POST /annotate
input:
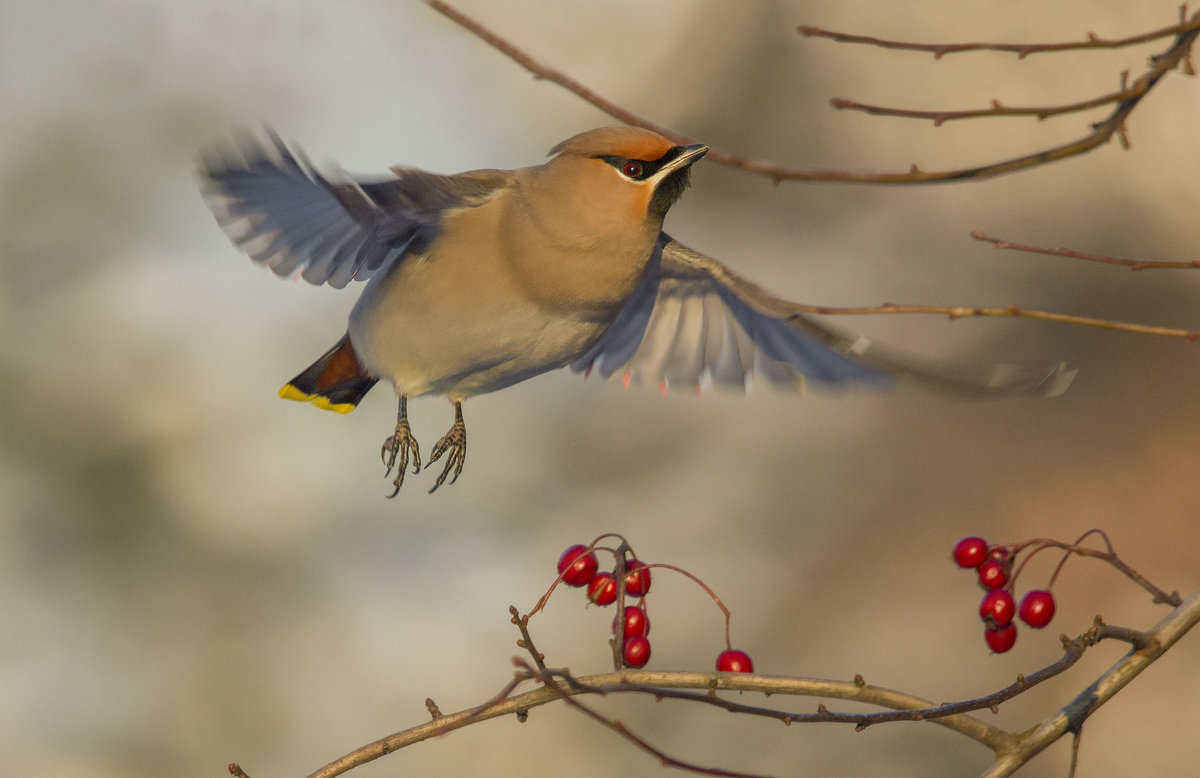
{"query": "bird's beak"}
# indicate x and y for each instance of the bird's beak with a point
(689, 155)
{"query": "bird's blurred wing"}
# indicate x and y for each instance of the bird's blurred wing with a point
(274, 206)
(692, 320)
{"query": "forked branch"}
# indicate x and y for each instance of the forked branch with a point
(1127, 99)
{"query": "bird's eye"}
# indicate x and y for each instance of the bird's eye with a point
(632, 169)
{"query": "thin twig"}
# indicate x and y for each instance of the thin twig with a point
(1132, 264)
(526, 642)
(960, 312)
(1022, 50)
(997, 109)
(1102, 132)
(1014, 751)
(1109, 556)
(1070, 717)
(619, 727)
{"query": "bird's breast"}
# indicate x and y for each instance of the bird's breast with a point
(481, 311)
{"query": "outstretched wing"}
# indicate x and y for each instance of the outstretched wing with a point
(692, 319)
(274, 206)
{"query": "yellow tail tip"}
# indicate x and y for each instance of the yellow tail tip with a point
(290, 392)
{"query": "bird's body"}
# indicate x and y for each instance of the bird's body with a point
(449, 321)
(480, 280)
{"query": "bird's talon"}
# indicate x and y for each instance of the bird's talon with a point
(453, 443)
(400, 444)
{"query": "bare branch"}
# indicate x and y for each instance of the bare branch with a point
(996, 109)
(1022, 50)
(1132, 264)
(1102, 132)
(1071, 716)
(960, 312)
(619, 727)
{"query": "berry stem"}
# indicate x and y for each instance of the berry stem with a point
(704, 586)
(541, 603)
(1109, 556)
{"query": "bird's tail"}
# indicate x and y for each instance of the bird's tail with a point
(335, 382)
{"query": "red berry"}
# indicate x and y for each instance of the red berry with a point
(997, 607)
(637, 578)
(580, 566)
(970, 552)
(1001, 639)
(636, 622)
(603, 589)
(992, 574)
(734, 661)
(1000, 554)
(636, 651)
(1037, 608)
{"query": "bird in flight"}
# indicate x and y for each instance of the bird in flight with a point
(479, 280)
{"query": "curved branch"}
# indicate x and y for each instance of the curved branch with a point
(960, 312)
(1071, 716)
(1022, 50)
(1102, 132)
(1012, 750)
(1132, 264)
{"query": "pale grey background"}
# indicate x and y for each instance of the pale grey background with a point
(193, 572)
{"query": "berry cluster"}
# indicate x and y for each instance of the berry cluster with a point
(993, 566)
(578, 567)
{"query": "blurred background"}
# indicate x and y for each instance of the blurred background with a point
(193, 572)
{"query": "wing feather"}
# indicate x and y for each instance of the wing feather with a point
(692, 317)
(333, 229)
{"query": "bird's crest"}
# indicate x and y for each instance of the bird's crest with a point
(627, 142)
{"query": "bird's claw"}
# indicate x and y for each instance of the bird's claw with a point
(400, 444)
(453, 443)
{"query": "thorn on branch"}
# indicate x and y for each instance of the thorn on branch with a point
(432, 707)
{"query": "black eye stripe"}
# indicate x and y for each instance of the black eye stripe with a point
(648, 168)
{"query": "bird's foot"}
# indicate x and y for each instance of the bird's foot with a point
(399, 445)
(453, 443)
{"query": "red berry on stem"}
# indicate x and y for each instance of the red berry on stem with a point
(1037, 608)
(636, 622)
(580, 566)
(1001, 639)
(998, 607)
(637, 578)
(636, 651)
(734, 661)
(1000, 554)
(992, 574)
(603, 589)
(970, 552)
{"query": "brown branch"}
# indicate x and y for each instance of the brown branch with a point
(1132, 264)
(619, 727)
(1013, 750)
(960, 312)
(1102, 132)
(997, 109)
(526, 642)
(1109, 556)
(1070, 717)
(1022, 50)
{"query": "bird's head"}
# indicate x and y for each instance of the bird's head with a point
(633, 173)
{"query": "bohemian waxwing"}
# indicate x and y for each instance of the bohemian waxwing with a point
(479, 280)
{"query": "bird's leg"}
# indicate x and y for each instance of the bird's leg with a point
(401, 442)
(454, 442)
